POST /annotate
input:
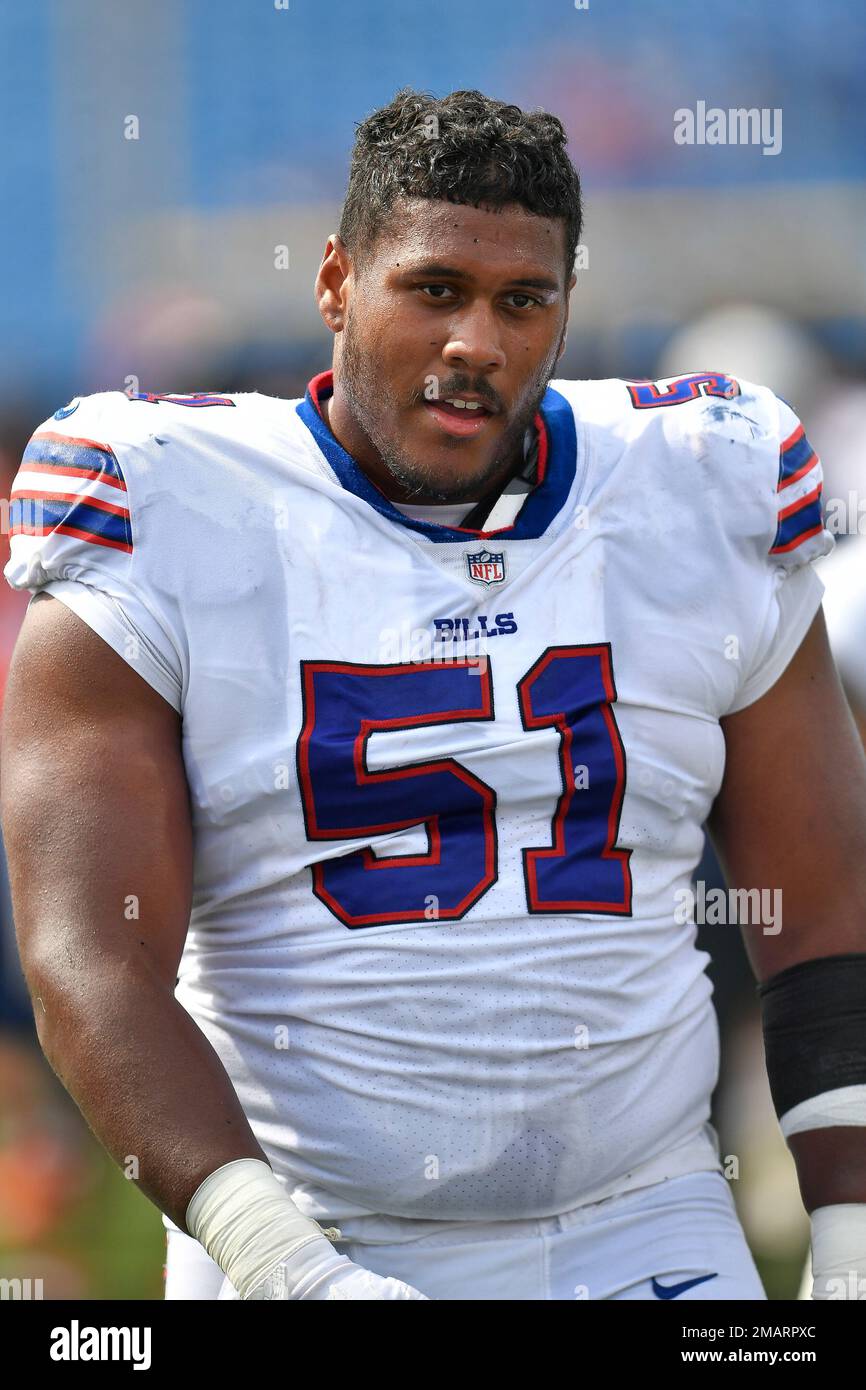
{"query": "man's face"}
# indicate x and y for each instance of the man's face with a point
(452, 301)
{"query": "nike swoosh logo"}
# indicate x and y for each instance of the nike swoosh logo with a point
(674, 1290)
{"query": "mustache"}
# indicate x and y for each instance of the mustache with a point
(458, 386)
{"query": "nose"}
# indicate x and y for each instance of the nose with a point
(473, 340)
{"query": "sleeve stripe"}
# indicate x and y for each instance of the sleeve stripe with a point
(792, 545)
(70, 531)
(103, 524)
(793, 438)
(798, 522)
(801, 503)
(796, 457)
(49, 448)
(34, 494)
(793, 469)
(35, 480)
(67, 471)
(70, 487)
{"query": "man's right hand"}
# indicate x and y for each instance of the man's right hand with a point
(335, 1278)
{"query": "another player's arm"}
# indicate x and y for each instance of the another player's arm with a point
(96, 820)
(791, 815)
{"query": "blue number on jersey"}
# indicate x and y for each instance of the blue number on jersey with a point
(646, 395)
(343, 705)
(569, 688)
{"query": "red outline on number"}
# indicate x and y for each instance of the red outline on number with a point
(560, 722)
(365, 778)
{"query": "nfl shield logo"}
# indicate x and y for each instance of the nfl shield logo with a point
(487, 566)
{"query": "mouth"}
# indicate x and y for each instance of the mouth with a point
(460, 415)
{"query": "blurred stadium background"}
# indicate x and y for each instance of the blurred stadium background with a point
(154, 258)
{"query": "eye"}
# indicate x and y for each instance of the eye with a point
(432, 288)
(528, 298)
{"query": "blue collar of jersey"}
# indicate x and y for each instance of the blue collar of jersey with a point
(557, 461)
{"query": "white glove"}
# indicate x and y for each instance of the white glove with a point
(334, 1277)
(267, 1249)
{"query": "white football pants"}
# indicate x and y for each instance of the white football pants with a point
(680, 1238)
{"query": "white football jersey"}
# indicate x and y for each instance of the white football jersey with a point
(446, 785)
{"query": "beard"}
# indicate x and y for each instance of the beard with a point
(418, 480)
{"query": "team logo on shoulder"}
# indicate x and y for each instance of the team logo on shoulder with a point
(197, 398)
(486, 566)
(65, 410)
(674, 390)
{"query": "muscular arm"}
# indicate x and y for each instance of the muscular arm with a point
(96, 821)
(792, 815)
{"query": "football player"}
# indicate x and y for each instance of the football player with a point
(356, 756)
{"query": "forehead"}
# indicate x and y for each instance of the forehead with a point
(481, 241)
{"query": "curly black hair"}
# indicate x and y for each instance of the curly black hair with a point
(463, 148)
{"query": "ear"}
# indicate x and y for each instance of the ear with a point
(333, 282)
